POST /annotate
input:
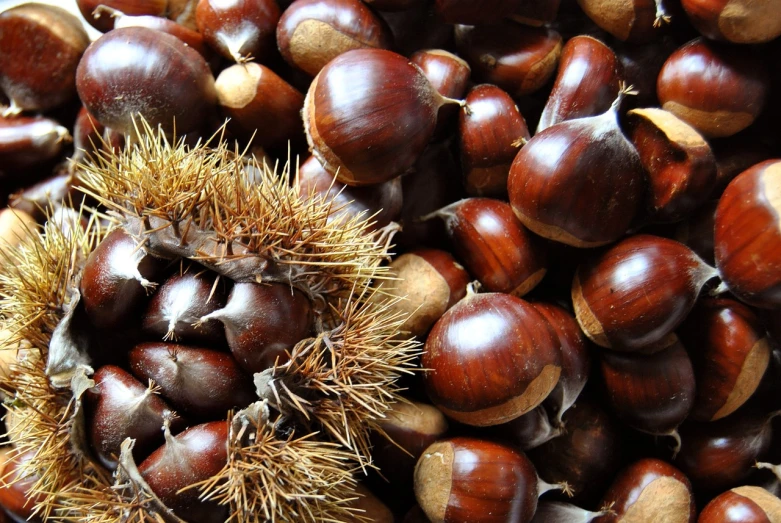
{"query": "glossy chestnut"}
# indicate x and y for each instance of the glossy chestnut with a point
(491, 129)
(311, 33)
(730, 352)
(136, 70)
(718, 90)
(518, 59)
(369, 114)
(465, 479)
(494, 246)
(118, 407)
(579, 182)
(742, 505)
(738, 21)
(449, 75)
(586, 83)
(202, 382)
(262, 322)
(240, 29)
(631, 297)
(747, 237)
(29, 141)
(40, 47)
(195, 455)
(679, 162)
(15, 498)
(104, 22)
(492, 357)
(650, 490)
(260, 104)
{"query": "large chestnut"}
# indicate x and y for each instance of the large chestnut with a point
(311, 33)
(491, 358)
(747, 236)
(637, 292)
(738, 21)
(369, 114)
(136, 70)
(746, 504)
(239, 29)
(718, 90)
(465, 479)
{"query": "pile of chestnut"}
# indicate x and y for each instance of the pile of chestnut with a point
(589, 193)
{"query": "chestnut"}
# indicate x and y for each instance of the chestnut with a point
(29, 141)
(118, 407)
(494, 246)
(586, 455)
(747, 237)
(368, 508)
(491, 358)
(104, 22)
(202, 382)
(628, 20)
(518, 59)
(369, 114)
(196, 454)
(239, 30)
(649, 490)
(260, 104)
(586, 84)
(311, 33)
(632, 296)
(653, 393)
(466, 479)
(680, 164)
(579, 182)
(742, 505)
(115, 280)
(39, 199)
(718, 90)
(136, 70)
(15, 486)
(41, 47)
(262, 322)
(730, 352)
(427, 282)
(179, 303)
(449, 75)
(738, 21)
(490, 132)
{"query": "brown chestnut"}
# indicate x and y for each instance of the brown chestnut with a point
(491, 129)
(747, 238)
(136, 70)
(680, 164)
(465, 479)
(491, 358)
(494, 246)
(738, 21)
(311, 33)
(29, 141)
(369, 114)
(518, 59)
(730, 353)
(627, 20)
(239, 30)
(15, 485)
(586, 84)
(742, 505)
(637, 292)
(718, 90)
(649, 490)
(103, 21)
(40, 47)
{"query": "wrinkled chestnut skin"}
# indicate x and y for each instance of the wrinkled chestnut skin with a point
(201, 382)
(196, 454)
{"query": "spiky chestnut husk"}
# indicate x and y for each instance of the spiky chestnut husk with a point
(291, 455)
